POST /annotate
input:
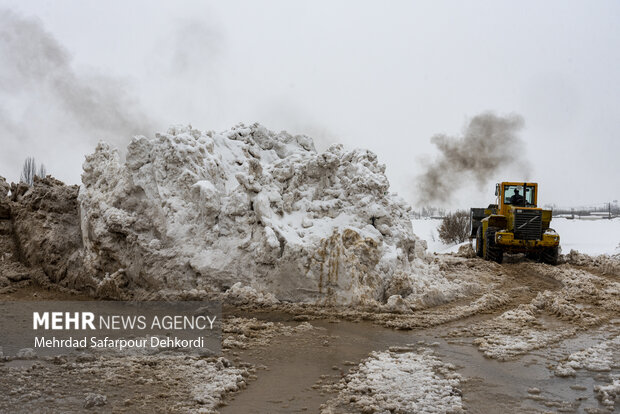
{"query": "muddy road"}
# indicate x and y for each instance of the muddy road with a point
(533, 338)
(298, 372)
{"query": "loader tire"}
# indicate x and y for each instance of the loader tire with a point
(550, 255)
(479, 241)
(493, 252)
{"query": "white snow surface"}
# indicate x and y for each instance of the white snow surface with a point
(427, 230)
(203, 210)
(592, 237)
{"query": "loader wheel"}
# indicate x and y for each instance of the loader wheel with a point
(493, 251)
(478, 240)
(550, 255)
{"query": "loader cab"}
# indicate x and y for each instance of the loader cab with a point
(514, 194)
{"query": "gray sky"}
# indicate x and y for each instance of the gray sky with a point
(380, 75)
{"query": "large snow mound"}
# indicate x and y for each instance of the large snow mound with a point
(204, 210)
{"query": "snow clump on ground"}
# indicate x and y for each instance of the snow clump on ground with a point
(409, 382)
(599, 358)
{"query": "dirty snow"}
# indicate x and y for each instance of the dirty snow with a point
(243, 333)
(607, 393)
(408, 382)
(205, 211)
(583, 300)
(181, 384)
(599, 358)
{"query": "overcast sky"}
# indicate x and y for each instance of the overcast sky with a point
(379, 75)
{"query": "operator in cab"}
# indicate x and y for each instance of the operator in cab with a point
(516, 199)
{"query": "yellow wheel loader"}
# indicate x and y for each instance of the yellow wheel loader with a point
(514, 224)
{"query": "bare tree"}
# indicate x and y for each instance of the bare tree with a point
(454, 227)
(29, 171)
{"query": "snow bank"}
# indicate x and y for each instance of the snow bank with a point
(4, 188)
(46, 229)
(203, 210)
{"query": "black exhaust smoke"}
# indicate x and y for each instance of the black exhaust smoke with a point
(489, 142)
(48, 107)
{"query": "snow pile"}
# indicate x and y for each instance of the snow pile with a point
(508, 343)
(239, 294)
(204, 211)
(46, 230)
(212, 381)
(95, 400)
(4, 188)
(606, 264)
(394, 382)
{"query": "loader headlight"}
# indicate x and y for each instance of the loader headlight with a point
(499, 237)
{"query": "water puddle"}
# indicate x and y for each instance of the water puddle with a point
(294, 364)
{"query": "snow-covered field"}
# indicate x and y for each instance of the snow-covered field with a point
(426, 229)
(592, 237)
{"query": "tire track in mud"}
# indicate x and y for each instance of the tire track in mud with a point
(580, 301)
(507, 286)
